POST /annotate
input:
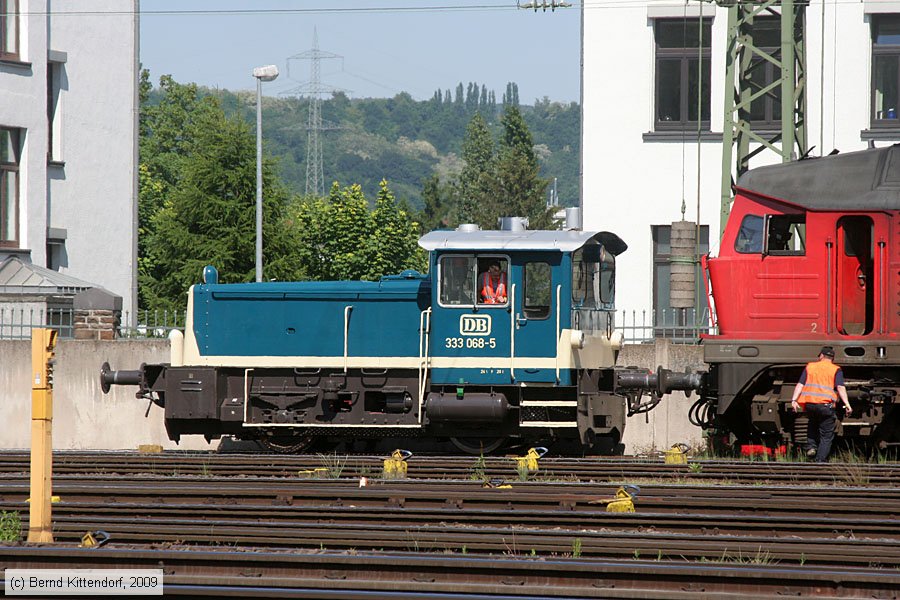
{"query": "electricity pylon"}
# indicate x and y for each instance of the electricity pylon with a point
(313, 89)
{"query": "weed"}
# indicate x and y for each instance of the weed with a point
(637, 554)
(334, 464)
(761, 558)
(533, 553)
(478, 469)
(204, 470)
(802, 558)
(576, 548)
(658, 555)
(524, 472)
(852, 469)
(10, 526)
(695, 467)
(464, 550)
(511, 550)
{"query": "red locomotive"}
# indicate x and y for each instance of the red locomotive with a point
(810, 256)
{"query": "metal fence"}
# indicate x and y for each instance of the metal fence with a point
(17, 323)
(678, 325)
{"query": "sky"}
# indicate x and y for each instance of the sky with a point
(387, 46)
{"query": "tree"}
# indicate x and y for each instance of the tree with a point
(340, 239)
(518, 189)
(167, 125)
(439, 204)
(511, 96)
(392, 245)
(474, 200)
(209, 214)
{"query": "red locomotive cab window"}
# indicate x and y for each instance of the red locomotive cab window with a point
(785, 235)
(750, 236)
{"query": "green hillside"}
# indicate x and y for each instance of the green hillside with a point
(405, 141)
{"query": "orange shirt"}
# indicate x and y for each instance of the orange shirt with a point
(819, 386)
(491, 295)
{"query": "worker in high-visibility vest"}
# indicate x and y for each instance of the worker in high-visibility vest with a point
(492, 284)
(816, 394)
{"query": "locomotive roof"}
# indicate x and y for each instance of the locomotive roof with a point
(864, 180)
(562, 241)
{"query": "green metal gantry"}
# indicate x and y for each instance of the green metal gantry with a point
(743, 58)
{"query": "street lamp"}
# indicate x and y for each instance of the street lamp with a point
(267, 73)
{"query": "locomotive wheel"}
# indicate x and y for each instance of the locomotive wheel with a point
(476, 445)
(287, 444)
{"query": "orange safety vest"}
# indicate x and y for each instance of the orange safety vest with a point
(819, 386)
(492, 296)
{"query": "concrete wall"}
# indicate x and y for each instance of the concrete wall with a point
(86, 419)
(632, 181)
(667, 424)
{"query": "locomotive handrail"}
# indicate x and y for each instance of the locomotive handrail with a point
(246, 395)
(828, 246)
(424, 330)
(512, 334)
(347, 310)
(558, 330)
(882, 299)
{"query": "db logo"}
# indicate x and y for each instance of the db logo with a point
(475, 325)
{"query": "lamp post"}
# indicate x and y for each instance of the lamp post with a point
(267, 73)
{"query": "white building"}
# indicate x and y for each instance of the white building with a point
(69, 139)
(641, 154)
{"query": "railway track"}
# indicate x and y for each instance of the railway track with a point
(773, 539)
(230, 573)
(833, 526)
(454, 467)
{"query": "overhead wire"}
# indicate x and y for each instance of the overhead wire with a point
(434, 8)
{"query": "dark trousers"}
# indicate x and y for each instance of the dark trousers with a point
(821, 429)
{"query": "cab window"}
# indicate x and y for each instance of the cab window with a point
(457, 280)
(537, 290)
(786, 235)
(492, 284)
(749, 238)
(593, 278)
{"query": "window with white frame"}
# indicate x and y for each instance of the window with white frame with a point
(54, 111)
(682, 73)
(9, 29)
(9, 187)
(885, 70)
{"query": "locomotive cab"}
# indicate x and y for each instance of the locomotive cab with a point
(806, 261)
(507, 349)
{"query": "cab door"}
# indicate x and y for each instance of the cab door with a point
(535, 316)
(470, 338)
(855, 297)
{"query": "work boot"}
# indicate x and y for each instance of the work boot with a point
(811, 453)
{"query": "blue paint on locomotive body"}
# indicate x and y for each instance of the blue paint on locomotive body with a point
(308, 318)
(549, 277)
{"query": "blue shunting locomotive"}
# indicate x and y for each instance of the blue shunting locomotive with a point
(286, 363)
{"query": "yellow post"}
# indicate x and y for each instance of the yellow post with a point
(43, 343)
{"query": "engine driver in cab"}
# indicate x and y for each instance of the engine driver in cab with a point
(492, 284)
